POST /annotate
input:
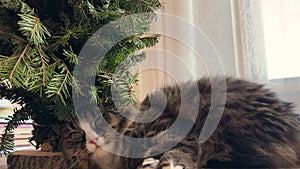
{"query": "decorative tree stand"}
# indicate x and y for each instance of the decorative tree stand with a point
(34, 160)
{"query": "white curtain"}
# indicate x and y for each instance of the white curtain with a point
(249, 40)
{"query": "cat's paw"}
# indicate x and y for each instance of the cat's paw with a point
(169, 164)
(149, 163)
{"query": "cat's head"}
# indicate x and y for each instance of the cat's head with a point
(72, 142)
(94, 145)
(82, 143)
(104, 134)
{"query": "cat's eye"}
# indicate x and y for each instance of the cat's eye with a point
(77, 136)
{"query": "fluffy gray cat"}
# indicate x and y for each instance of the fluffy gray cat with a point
(256, 130)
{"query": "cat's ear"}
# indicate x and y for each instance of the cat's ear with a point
(156, 99)
(146, 101)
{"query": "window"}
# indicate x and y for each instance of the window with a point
(281, 27)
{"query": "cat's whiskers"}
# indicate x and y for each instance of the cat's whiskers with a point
(78, 156)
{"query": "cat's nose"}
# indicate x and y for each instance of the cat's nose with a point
(93, 141)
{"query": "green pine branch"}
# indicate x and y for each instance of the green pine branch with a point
(8, 36)
(32, 28)
(7, 142)
(59, 85)
(42, 42)
(16, 5)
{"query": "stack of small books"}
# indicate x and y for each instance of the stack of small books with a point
(22, 133)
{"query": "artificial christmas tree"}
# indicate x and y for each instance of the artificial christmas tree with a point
(40, 46)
